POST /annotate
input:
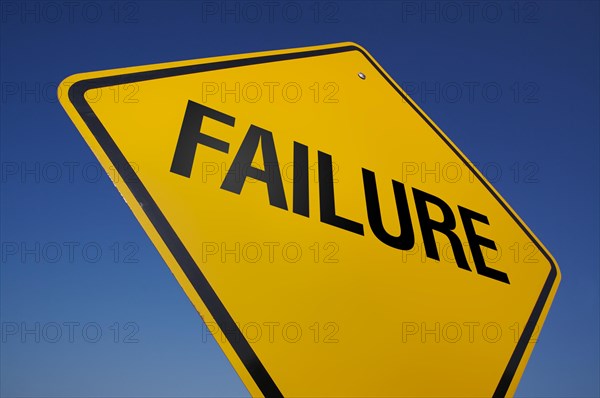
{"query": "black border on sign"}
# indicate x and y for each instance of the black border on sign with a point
(203, 288)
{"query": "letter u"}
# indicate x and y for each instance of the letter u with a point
(406, 239)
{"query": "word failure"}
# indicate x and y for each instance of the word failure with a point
(190, 137)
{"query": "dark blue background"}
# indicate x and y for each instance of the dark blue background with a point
(536, 139)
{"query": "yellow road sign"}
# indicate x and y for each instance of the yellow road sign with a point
(332, 237)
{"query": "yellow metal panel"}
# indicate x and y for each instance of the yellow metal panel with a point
(299, 306)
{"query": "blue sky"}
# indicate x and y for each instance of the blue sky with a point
(514, 84)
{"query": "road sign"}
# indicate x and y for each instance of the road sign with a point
(332, 237)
